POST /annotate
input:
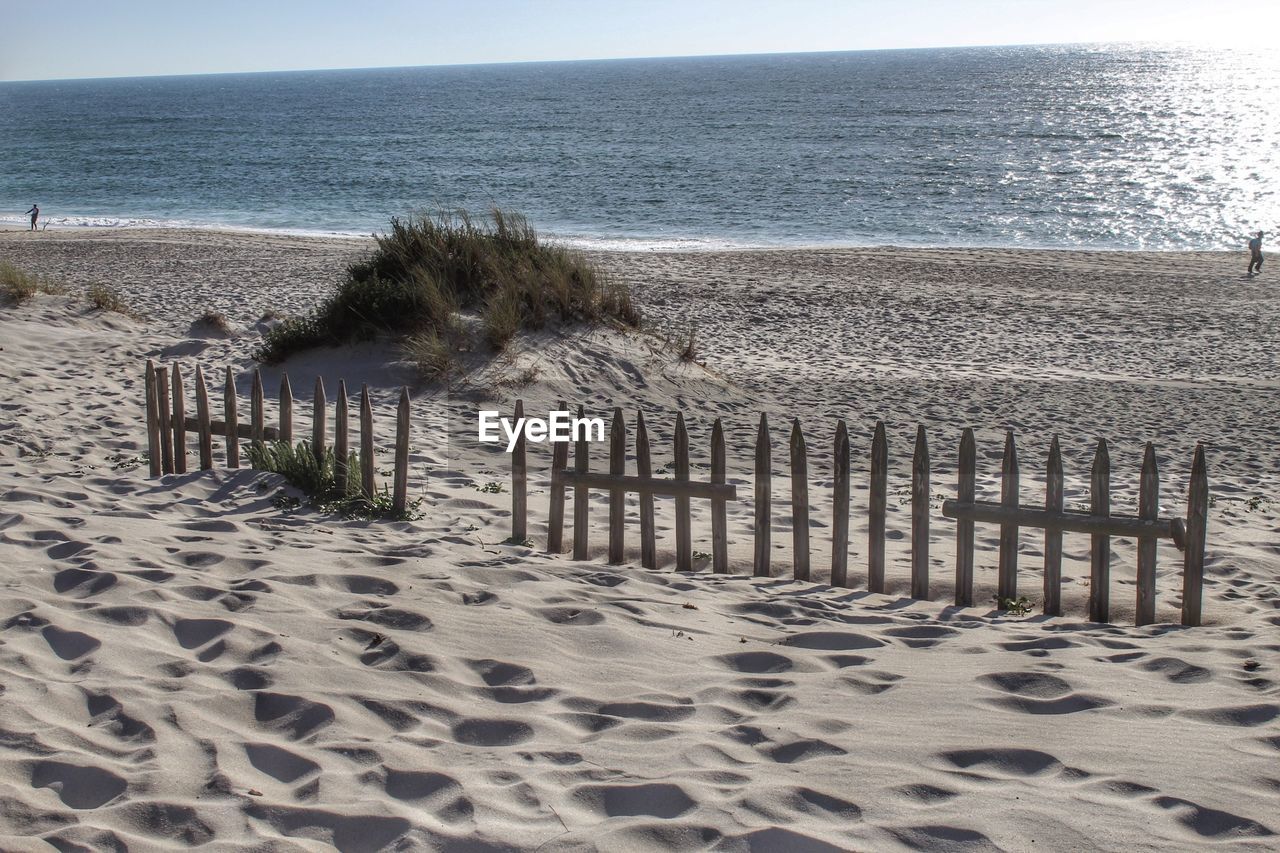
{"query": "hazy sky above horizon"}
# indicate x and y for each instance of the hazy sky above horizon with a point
(77, 38)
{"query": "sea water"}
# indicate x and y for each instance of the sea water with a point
(1115, 147)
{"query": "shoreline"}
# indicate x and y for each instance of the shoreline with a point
(619, 244)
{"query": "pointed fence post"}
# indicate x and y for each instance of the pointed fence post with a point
(257, 415)
(966, 493)
(232, 418)
(764, 489)
(1007, 581)
(1193, 556)
(644, 467)
(840, 509)
(153, 421)
(1100, 548)
(1148, 508)
(204, 425)
(920, 516)
(166, 425)
(367, 483)
(179, 422)
(799, 504)
(317, 422)
(617, 496)
(879, 505)
(286, 410)
(1053, 502)
(684, 542)
(341, 438)
(719, 519)
(400, 488)
(581, 510)
(520, 483)
(555, 522)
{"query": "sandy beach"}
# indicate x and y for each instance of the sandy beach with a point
(184, 663)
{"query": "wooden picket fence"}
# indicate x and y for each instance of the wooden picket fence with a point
(1100, 521)
(168, 425)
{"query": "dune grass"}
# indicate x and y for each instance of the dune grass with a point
(317, 478)
(429, 269)
(18, 286)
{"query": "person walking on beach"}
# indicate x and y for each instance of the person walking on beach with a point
(34, 212)
(1255, 253)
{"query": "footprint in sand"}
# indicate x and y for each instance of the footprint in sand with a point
(280, 764)
(78, 786)
(656, 799)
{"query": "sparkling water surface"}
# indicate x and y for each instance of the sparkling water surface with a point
(1115, 147)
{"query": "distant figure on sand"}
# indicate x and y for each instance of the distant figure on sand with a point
(34, 212)
(1255, 253)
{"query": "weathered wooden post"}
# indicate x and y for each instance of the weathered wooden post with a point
(179, 422)
(317, 422)
(257, 415)
(400, 488)
(1007, 581)
(799, 504)
(617, 496)
(879, 505)
(1100, 547)
(520, 483)
(581, 510)
(166, 425)
(644, 468)
(1053, 502)
(341, 439)
(764, 489)
(920, 516)
(559, 461)
(684, 541)
(1197, 525)
(1148, 508)
(232, 418)
(286, 409)
(367, 483)
(840, 509)
(153, 421)
(966, 493)
(719, 519)
(204, 425)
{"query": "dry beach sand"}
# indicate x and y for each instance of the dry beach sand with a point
(183, 663)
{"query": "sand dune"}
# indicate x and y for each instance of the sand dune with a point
(183, 663)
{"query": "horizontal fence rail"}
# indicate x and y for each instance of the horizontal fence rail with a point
(1009, 513)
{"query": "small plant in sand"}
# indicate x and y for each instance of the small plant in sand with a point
(317, 479)
(690, 351)
(18, 286)
(212, 321)
(1020, 606)
(106, 298)
(428, 271)
(491, 488)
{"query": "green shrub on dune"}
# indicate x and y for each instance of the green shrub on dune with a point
(428, 271)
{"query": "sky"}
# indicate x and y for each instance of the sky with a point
(102, 38)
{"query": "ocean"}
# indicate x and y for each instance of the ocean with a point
(1099, 147)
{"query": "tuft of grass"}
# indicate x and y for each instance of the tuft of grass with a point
(317, 479)
(212, 321)
(431, 353)
(103, 297)
(690, 350)
(18, 286)
(428, 269)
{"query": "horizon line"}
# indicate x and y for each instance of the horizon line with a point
(490, 63)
